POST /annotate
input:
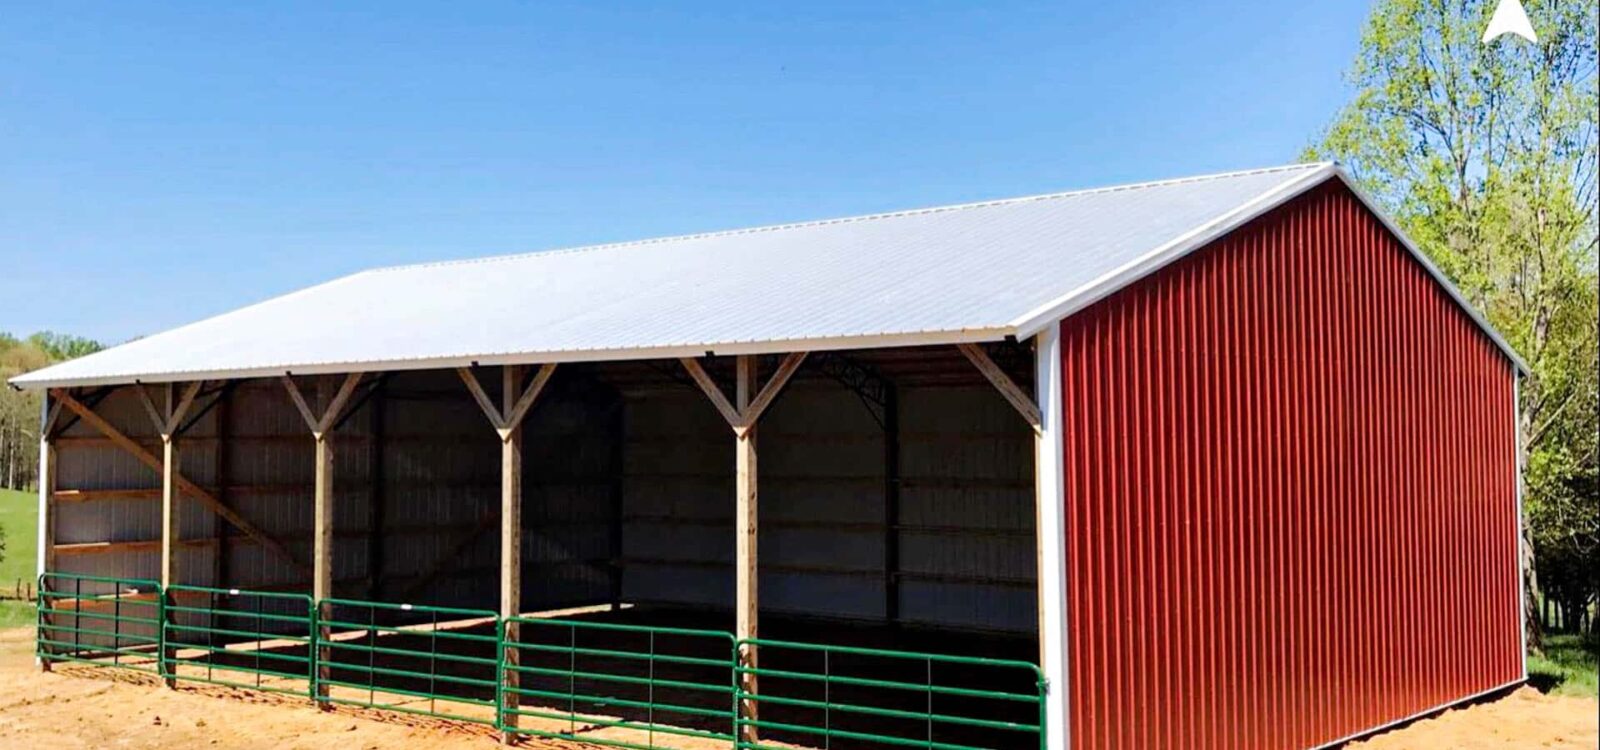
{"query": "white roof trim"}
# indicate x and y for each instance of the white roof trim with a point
(777, 346)
(1102, 287)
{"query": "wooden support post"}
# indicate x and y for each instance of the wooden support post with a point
(321, 422)
(742, 415)
(322, 546)
(169, 531)
(746, 588)
(46, 559)
(511, 545)
(507, 421)
(166, 421)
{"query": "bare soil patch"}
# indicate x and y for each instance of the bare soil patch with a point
(101, 708)
(1524, 718)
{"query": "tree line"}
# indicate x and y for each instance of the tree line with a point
(1485, 153)
(19, 410)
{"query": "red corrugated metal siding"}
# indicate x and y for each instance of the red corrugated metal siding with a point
(1290, 496)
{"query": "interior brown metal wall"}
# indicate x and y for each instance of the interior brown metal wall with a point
(1290, 493)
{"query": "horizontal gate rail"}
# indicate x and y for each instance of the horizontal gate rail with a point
(881, 698)
(254, 640)
(101, 621)
(636, 680)
(620, 685)
(416, 679)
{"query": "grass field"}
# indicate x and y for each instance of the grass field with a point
(18, 520)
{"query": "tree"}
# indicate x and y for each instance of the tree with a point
(60, 346)
(1486, 156)
(19, 411)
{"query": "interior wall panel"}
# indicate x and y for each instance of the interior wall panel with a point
(965, 526)
(1290, 499)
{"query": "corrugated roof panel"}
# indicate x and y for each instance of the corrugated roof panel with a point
(970, 272)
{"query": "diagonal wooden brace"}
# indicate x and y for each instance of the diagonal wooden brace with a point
(184, 485)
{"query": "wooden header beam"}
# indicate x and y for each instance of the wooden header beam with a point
(507, 417)
(320, 424)
(744, 417)
(167, 421)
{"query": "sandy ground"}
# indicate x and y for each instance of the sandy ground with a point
(98, 708)
(1525, 718)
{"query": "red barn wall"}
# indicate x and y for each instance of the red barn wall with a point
(1290, 493)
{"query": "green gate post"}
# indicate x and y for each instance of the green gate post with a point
(41, 649)
(163, 658)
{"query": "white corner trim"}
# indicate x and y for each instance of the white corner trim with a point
(44, 489)
(1050, 489)
(1519, 525)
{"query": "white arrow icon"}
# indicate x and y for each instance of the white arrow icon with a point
(1509, 18)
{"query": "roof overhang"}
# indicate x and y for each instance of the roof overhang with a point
(778, 346)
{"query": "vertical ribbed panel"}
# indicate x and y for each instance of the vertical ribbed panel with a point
(1290, 495)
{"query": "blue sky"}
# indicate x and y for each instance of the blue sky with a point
(164, 162)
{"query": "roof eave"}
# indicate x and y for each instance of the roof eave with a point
(40, 380)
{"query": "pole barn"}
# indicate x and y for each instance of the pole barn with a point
(1216, 462)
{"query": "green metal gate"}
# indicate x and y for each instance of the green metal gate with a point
(617, 685)
(113, 622)
(244, 639)
(877, 698)
(435, 661)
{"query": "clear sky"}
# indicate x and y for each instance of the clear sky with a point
(163, 162)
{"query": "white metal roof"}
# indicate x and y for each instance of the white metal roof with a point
(973, 272)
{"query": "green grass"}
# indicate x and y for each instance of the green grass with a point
(19, 514)
(1570, 666)
(15, 614)
(19, 517)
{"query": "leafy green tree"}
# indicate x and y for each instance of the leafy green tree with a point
(19, 411)
(60, 346)
(1486, 156)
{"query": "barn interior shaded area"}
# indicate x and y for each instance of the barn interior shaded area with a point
(897, 506)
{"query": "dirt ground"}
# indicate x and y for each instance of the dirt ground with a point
(98, 708)
(1525, 718)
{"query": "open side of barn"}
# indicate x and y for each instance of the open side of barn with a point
(1252, 484)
